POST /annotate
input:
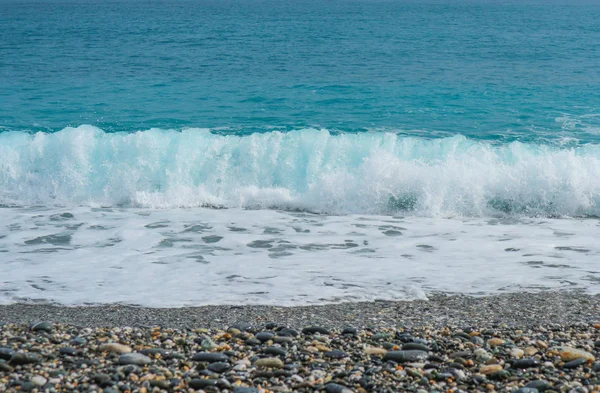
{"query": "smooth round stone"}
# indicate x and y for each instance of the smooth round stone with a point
(42, 326)
(287, 332)
(69, 351)
(526, 390)
(269, 363)
(500, 375)
(264, 336)
(337, 388)
(385, 336)
(219, 367)
(78, 341)
(201, 383)
(38, 380)
(335, 354)
(349, 331)
(575, 363)
(23, 358)
(283, 340)
(275, 351)
(270, 325)
(315, 329)
(253, 341)
(5, 367)
(210, 357)
(114, 347)
(137, 359)
(243, 389)
(477, 340)
(539, 385)
(243, 326)
(525, 363)
(567, 354)
(406, 356)
(6, 353)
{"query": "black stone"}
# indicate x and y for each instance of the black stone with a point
(499, 375)
(210, 357)
(525, 363)
(70, 351)
(336, 388)
(270, 325)
(264, 336)
(539, 385)
(23, 358)
(287, 332)
(219, 367)
(575, 363)
(406, 356)
(275, 351)
(42, 326)
(350, 331)
(200, 383)
(243, 389)
(335, 354)
(315, 329)
(6, 353)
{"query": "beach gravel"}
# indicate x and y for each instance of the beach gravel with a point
(434, 352)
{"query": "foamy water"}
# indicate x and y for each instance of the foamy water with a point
(178, 257)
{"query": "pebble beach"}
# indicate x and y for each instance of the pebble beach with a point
(524, 343)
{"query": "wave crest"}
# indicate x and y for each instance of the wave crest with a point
(307, 169)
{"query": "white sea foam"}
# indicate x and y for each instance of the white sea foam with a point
(177, 257)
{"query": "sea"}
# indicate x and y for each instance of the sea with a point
(170, 153)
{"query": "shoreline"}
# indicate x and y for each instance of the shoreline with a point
(515, 309)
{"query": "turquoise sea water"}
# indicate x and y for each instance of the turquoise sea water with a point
(489, 70)
(172, 153)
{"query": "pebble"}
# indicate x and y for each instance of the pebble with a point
(264, 336)
(218, 367)
(375, 351)
(575, 363)
(42, 326)
(568, 353)
(525, 363)
(494, 342)
(516, 353)
(277, 351)
(269, 363)
(38, 380)
(335, 354)
(315, 329)
(210, 357)
(336, 388)
(490, 369)
(137, 359)
(115, 347)
(405, 356)
(540, 385)
(200, 383)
